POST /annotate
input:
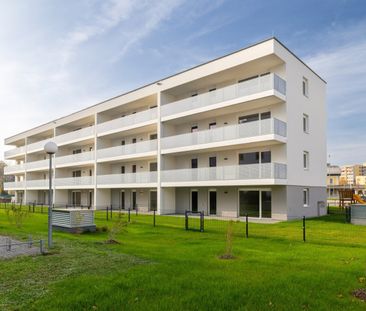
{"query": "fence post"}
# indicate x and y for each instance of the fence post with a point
(154, 219)
(30, 242)
(303, 229)
(129, 215)
(136, 210)
(111, 210)
(328, 208)
(41, 249)
(34, 205)
(9, 244)
(107, 212)
(246, 226)
(186, 220)
(202, 222)
(42, 208)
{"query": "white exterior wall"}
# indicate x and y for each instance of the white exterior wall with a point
(268, 56)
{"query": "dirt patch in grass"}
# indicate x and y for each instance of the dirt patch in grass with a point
(227, 256)
(360, 293)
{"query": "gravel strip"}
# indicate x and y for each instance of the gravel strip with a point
(17, 250)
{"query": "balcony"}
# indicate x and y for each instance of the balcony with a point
(252, 174)
(131, 180)
(264, 130)
(13, 169)
(38, 184)
(145, 148)
(131, 121)
(74, 136)
(14, 185)
(37, 165)
(82, 134)
(14, 152)
(270, 82)
(75, 159)
(84, 182)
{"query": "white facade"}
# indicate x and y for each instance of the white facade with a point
(242, 134)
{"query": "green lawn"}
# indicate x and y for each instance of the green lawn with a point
(168, 268)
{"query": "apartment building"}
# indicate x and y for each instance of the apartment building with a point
(333, 180)
(241, 134)
(350, 172)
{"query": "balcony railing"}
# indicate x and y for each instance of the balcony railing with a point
(38, 183)
(74, 181)
(14, 184)
(127, 121)
(64, 138)
(13, 168)
(37, 164)
(75, 135)
(246, 88)
(75, 158)
(14, 152)
(235, 172)
(129, 178)
(130, 149)
(225, 133)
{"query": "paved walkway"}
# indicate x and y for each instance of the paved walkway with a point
(16, 250)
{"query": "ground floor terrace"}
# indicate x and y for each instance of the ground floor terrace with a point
(264, 202)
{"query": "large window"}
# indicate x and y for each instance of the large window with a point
(194, 163)
(254, 157)
(254, 117)
(306, 160)
(306, 197)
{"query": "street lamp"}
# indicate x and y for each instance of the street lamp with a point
(50, 148)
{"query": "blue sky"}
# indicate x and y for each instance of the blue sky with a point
(60, 56)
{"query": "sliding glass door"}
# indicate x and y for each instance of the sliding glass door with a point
(255, 203)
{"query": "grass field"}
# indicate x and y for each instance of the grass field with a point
(168, 268)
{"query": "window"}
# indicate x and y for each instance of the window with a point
(212, 125)
(248, 158)
(265, 115)
(331, 181)
(194, 128)
(153, 136)
(266, 157)
(306, 160)
(123, 170)
(90, 148)
(194, 163)
(134, 140)
(305, 87)
(306, 197)
(123, 142)
(153, 167)
(76, 151)
(249, 118)
(76, 174)
(134, 168)
(90, 172)
(212, 161)
(305, 123)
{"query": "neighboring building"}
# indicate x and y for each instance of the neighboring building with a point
(2, 176)
(350, 172)
(244, 133)
(333, 180)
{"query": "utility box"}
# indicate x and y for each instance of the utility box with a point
(358, 214)
(74, 220)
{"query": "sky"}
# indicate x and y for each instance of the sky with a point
(57, 57)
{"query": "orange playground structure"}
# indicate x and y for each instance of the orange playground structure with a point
(348, 196)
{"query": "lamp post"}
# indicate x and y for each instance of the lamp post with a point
(50, 148)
